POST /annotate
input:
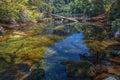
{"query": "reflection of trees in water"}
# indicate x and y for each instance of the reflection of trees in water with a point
(92, 32)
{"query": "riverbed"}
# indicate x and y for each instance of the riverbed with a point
(46, 45)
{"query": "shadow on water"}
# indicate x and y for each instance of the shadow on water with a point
(66, 49)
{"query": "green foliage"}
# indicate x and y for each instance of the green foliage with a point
(115, 13)
(88, 7)
(115, 25)
(10, 8)
(41, 5)
(59, 6)
(84, 7)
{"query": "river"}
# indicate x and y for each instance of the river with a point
(47, 45)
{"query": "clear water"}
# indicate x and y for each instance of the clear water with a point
(66, 49)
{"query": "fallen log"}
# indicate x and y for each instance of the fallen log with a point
(88, 20)
(100, 20)
(94, 21)
(55, 16)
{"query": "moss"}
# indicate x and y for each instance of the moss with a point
(36, 53)
(99, 46)
(4, 38)
(25, 48)
(35, 30)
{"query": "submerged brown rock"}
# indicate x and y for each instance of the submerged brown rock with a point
(14, 72)
(36, 74)
(79, 69)
(101, 76)
(115, 60)
(101, 69)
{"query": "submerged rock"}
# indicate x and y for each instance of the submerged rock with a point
(100, 47)
(24, 67)
(79, 69)
(101, 69)
(14, 72)
(36, 74)
(101, 76)
(115, 60)
(5, 76)
(110, 78)
(115, 70)
(115, 52)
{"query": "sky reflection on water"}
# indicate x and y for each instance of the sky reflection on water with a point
(66, 49)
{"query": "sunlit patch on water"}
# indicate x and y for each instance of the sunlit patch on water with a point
(66, 49)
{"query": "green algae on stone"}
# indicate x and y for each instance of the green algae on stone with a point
(79, 69)
(99, 46)
(100, 50)
(25, 48)
(35, 30)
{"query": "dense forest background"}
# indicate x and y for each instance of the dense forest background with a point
(31, 9)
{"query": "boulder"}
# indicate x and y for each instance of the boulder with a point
(78, 69)
(101, 69)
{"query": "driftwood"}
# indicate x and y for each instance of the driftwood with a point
(95, 21)
(100, 20)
